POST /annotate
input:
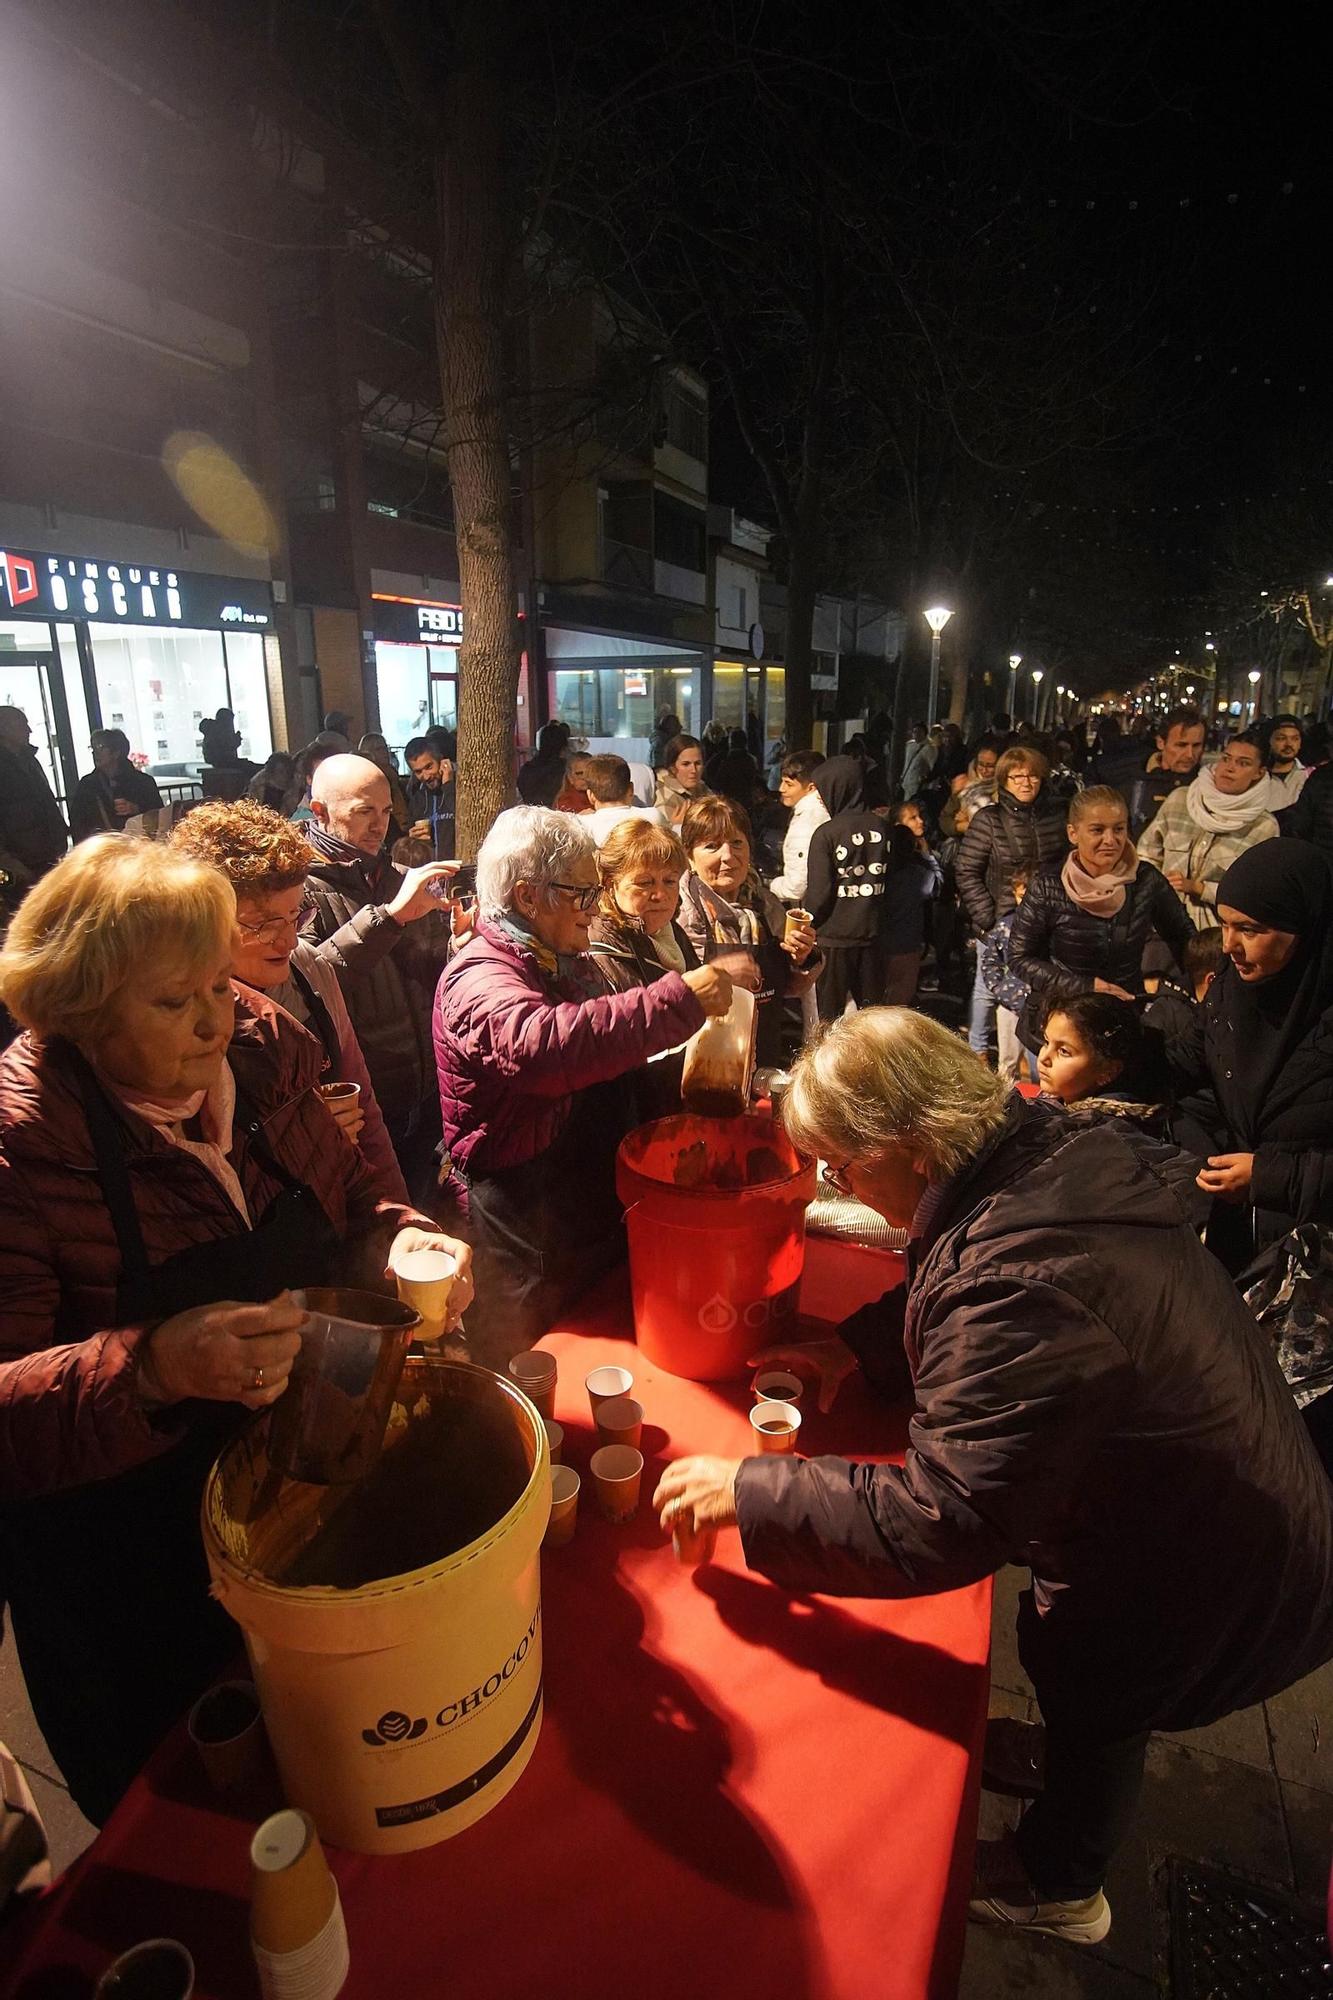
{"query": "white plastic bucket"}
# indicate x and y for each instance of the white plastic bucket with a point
(401, 1709)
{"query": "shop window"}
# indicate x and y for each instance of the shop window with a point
(623, 702)
(248, 682)
(402, 675)
(158, 687)
(678, 533)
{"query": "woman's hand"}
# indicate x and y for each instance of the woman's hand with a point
(741, 968)
(348, 1113)
(1108, 986)
(711, 987)
(698, 1493)
(829, 1361)
(461, 1292)
(224, 1353)
(415, 899)
(1186, 885)
(799, 942)
(1228, 1176)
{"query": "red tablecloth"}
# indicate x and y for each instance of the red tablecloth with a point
(735, 1791)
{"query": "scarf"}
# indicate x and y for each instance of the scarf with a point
(727, 923)
(666, 947)
(565, 967)
(215, 1109)
(377, 871)
(1219, 812)
(1100, 895)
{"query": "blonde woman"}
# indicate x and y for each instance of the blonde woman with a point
(1092, 1400)
(167, 1174)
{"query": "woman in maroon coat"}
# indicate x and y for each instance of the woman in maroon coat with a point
(167, 1172)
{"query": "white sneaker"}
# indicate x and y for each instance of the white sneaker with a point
(1003, 1897)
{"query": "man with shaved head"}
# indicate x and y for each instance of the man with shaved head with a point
(367, 918)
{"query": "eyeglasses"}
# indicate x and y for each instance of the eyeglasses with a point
(271, 932)
(837, 1177)
(583, 899)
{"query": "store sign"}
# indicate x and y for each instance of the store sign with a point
(35, 585)
(405, 622)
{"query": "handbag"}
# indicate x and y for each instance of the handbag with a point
(1290, 1292)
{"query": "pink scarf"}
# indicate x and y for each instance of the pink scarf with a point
(217, 1106)
(1100, 895)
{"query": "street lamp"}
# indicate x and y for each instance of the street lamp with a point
(937, 618)
(1015, 662)
(1254, 678)
(1036, 696)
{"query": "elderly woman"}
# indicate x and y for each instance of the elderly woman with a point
(1083, 924)
(534, 1058)
(728, 915)
(1022, 830)
(167, 1172)
(680, 780)
(1092, 1400)
(634, 937)
(266, 861)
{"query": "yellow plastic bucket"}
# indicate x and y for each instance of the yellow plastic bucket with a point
(401, 1707)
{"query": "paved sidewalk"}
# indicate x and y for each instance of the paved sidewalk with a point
(66, 1829)
(1252, 1794)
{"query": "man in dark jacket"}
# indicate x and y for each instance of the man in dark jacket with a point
(1093, 1401)
(32, 834)
(845, 871)
(431, 797)
(109, 796)
(360, 907)
(1311, 818)
(540, 779)
(1177, 758)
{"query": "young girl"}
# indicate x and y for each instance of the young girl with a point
(1097, 1055)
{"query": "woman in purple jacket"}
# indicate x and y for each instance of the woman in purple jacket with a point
(534, 1059)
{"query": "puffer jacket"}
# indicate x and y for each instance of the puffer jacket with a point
(513, 1045)
(68, 1407)
(625, 958)
(1093, 1400)
(1059, 950)
(387, 972)
(1004, 840)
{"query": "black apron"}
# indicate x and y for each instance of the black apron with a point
(107, 1583)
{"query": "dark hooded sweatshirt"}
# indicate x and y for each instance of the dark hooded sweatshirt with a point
(848, 862)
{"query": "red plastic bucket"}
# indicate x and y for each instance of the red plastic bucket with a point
(715, 1209)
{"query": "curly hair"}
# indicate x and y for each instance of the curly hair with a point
(257, 850)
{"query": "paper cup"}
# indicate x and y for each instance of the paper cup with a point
(565, 1484)
(555, 1439)
(620, 1421)
(226, 1728)
(157, 1969)
(777, 1385)
(535, 1374)
(425, 1278)
(292, 1893)
(693, 1546)
(335, 1093)
(795, 919)
(317, 1971)
(617, 1471)
(775, 1426)
(605, 1384)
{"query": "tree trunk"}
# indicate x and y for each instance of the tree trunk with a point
(472, 271)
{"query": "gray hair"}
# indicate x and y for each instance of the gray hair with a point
(528, 844)
(889, 1076)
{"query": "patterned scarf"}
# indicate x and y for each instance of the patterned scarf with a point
(567, 968)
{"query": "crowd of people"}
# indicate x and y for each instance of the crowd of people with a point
(1135, 927)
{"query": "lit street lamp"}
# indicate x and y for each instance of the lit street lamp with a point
(937, 618)
(1015, 662)
(1036, 697)
(1254, 679)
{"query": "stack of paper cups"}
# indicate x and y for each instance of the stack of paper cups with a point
(296, 1920)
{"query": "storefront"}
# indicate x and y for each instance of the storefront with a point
(88, 644)
(416, 665)
(747, 689)
(610, 688)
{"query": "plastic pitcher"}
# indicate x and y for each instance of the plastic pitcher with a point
(715, 1081)
(715, 1210)
(394, 1628)
(328, 1426)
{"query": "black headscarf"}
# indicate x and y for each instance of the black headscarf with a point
(1287, 884)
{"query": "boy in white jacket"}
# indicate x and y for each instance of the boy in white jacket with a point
(797, 791)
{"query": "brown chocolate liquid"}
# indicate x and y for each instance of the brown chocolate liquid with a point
(455, 1474)
(713, 1103)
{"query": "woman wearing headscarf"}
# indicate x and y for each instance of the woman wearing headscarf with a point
(1267, 1049)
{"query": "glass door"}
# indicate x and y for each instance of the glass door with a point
(29, 680)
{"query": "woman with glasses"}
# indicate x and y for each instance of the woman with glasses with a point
(266, 860)
(535, 1061)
